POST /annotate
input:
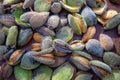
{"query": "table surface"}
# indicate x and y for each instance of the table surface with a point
(112, 33)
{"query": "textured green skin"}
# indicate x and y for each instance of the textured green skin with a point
(42, 73)
(115, 75)
(112, 59)
(101, 65)
(81, 66)
(113, 22)
(22, 74)
(27, 62)
(41, 6)
(89, 16)
(64, 72)
(65, 34)
(23, 37)
(74, 2)
(84, 76)
(74, 25)
(12, 37)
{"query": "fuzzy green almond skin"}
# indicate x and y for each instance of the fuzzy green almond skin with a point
(84, 76)
(115, 75)
(65, 34)
(113, 22)
(42, 5)
(101, 65)
(27, 62)
(64, 72)
(74, 25)
(112, 59)
(5, 30)
(75, 2)
(12, 37)
(80, 65)
(22, 74)
(24, 37)
(42, 73)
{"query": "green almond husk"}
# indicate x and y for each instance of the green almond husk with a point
(113, 22)
(80, 26)
(112, 59)
(65, 34)
(5, 30)
(24, 37)
(83, 76)
(115, 75)
(64, 72)
(74, 24)
(42, 5)
(27, 62)
(42, 73)
(22, 74)
(89, 16)
(101, 65)
(12, 37)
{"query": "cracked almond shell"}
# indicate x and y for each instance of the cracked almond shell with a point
(15, 57)
(77, 45)
(47, 59)
(101, 7)
(77, 22)
(101, 69)
(81, 60)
